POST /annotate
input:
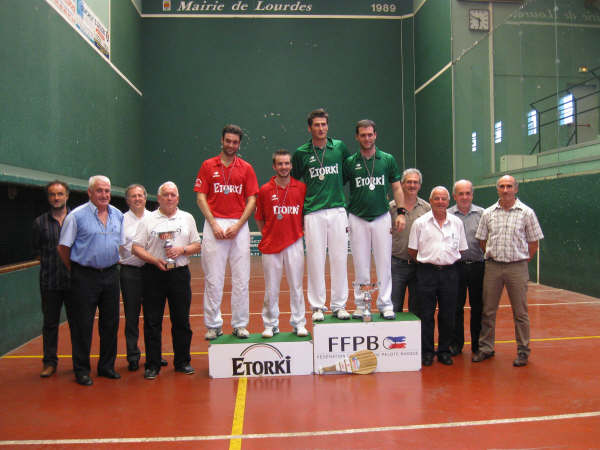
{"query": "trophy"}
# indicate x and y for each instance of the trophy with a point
(366, 289)
(168, 236)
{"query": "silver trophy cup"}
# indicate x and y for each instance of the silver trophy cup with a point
(366, 289)
(167, 237)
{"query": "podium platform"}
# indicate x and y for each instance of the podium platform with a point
(283, 354)
(396, 343)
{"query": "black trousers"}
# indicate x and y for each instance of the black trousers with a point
(470, 277)
(52, 301)
(174, 286)
(437, 286)
(132, 287)
(90, 290)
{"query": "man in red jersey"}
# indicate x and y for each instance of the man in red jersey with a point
(226, 189)
(279, 218)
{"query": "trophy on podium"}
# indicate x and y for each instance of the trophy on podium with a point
(168, 236)
(366, 289)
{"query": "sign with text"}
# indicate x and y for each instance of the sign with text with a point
(397, 344)
(279, 8)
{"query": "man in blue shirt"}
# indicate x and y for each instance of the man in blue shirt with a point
(89, 248)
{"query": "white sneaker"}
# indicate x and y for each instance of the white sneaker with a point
(270, 332)
(213, 333)
(389, 314)
(241, 332)
(301, 332)
(342, 314)
(358, 313)
(318, 316)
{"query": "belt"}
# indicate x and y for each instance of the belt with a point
(505, 262)
(436, 267)
(104, 269)
(469, 261)
(403, 261)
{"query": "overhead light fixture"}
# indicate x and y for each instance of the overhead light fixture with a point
(582, 69)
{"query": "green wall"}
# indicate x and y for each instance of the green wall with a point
(266, 75)
(66, 112)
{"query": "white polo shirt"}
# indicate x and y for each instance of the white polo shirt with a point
(438, 245)
(182, 226)
(130, 224)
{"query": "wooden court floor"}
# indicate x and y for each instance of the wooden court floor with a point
(554, 402)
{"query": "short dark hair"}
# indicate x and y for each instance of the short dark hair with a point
(280, 152)
(133, 186)
(62, 183)
(365, 123)
(317, 113)
(233, 129)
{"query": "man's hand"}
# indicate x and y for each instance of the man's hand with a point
(232, 231)
(218, 231)
(174, 252)
(400, 222)
(161, 264)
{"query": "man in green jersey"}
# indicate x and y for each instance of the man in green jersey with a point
(319, 164)
(370, 173)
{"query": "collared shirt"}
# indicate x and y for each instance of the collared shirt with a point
(226, 188)
(53, 273)
(378, 173)
(92, 243)
(435, 244)
(400, 239)
(508, 232)
(471, 222)
(310, 164)
(281, 211)
(130, 223)
(153, 228)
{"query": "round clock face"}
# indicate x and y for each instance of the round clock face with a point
(479, 20)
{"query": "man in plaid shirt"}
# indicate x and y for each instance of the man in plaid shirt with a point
(509, 233)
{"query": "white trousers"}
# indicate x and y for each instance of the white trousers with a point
(215, 254)
(364, 237)
(327, 229)
(292, 260)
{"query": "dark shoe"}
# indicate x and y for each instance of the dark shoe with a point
(454, 350)
(133, 365)
(150, 374)
(521, 360)
(427, 359)
(110, 373)
(84, 380)
(480, 356)
(445, 358)
(163, 362)
(48, 371)
(187, 369)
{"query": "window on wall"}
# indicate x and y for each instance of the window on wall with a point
(566, 109)
(474, 141)
(532, 122)
(498, 132)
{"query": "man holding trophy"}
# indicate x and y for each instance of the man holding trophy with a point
(370, 173)
(164, 240)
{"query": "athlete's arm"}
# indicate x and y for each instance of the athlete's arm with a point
(400, 221)
(208, 216)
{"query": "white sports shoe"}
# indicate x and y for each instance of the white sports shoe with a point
(358, 313)
(318, 316)
(389, 314)
(241, 332)
(270, 332)
(342, 314)
(301, 332)
(213, 333)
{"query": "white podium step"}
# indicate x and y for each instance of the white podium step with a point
(283, 354)
(396, 343)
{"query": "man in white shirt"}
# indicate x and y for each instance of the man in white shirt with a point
(165, 239)
(435, 242)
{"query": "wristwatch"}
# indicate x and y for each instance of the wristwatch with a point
(401, 211)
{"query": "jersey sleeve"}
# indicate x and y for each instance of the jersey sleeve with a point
(202, 181)
(251, 182)
(297, 166)
(393, 171)
(259, 214)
